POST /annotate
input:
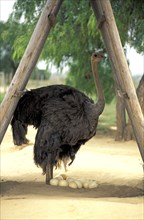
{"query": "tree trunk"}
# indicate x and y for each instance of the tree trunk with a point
(140, 93)
(120, 117)
(128, 134)
(124, 129)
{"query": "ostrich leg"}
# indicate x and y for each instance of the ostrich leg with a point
(49, 170)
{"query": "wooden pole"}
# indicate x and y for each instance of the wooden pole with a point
(27, 63)
(109, 31)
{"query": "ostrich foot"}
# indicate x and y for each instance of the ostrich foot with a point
(49, 173)
(20, 142)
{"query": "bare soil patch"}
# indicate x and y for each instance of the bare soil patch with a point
(116, 166)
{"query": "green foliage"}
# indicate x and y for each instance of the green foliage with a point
(27, 10)
(40, 74)
(75, 37)
(21, 41)
(107, 120)
(130, 20)
(7, 38)
(1, 97)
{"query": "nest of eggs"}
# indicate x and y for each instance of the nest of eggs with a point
(64, 181)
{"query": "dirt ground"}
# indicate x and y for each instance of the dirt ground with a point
(117, 168)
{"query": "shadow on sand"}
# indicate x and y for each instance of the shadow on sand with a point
(13, 188)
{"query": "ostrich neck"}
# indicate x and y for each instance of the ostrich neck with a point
(99, 89)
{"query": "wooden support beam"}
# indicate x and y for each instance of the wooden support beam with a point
(109, 31)
(27, 63)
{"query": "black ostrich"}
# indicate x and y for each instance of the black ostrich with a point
(65, 117)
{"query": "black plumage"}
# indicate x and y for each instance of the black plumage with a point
(65, 117)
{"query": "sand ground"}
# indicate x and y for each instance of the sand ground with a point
(116, 166)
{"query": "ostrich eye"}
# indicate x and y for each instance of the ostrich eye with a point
(95, 55)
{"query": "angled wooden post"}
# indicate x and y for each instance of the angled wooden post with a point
(27, 63)
(109, 31)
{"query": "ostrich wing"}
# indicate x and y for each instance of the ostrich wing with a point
(63, 123)
(28, 109)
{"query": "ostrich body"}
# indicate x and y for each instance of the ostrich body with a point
(65, 117)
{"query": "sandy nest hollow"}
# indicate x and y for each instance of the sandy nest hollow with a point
(115, 166)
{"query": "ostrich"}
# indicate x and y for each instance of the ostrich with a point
(65, 118)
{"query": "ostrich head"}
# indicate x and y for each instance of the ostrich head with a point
(96, 57)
